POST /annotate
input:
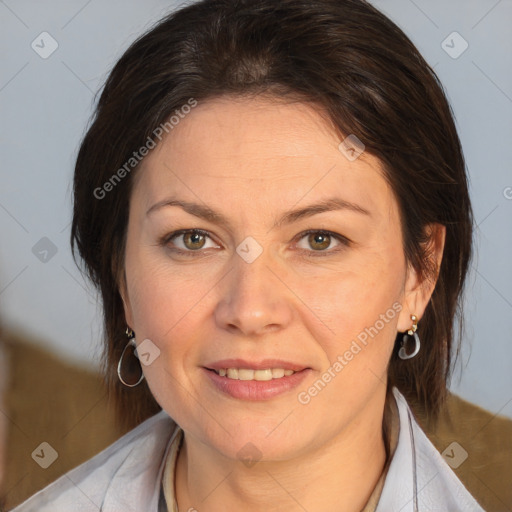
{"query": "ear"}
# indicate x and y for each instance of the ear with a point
(419, 289)
(123, 291)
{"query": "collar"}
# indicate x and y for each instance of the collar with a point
(136, 483)
(401, 478)
(419, 479)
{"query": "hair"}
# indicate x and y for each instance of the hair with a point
(363, 74)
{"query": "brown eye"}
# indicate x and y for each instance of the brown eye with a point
(319, 241)
(193, 240)
(322, 242)
(189, 241)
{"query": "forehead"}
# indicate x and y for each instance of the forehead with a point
(251, 128)
(259, 149)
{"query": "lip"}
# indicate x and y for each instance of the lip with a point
(256, 365)
(254, 390)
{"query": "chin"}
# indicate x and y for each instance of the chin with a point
(258, 443)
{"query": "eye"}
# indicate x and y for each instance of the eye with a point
(322, 241)
(190, 240)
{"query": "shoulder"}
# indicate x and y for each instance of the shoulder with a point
(46, 397)
(136, 457)
(477, 445)
(418, 477)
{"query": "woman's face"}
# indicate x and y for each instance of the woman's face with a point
(253, 290)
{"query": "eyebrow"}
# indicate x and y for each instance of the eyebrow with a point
(205, 212)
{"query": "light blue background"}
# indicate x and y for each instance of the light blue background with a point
(46, 103)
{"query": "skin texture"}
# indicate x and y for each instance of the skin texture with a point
(302, 301)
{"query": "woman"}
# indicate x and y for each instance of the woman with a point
(272, 200)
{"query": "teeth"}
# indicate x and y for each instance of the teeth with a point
(248, 374)
(232, 373)
(244, 374)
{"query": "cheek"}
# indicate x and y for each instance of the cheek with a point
(361, 310)
(354, 296)
(359, 304)
(161, 297)
(170, 308)
(166, 310)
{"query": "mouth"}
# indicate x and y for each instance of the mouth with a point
(250, 374)
(262, 370)
(255, 380)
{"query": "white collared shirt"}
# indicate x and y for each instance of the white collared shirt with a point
(127, 476)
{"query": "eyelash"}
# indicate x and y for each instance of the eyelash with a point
(344, 242)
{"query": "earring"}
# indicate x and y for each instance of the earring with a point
(402, 354)
(131, 343)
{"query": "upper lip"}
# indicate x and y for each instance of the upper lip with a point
(263, 364)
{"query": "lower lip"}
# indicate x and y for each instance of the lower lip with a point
(256, 389)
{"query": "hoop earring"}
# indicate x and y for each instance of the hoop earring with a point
(130, 343)
(402, 354)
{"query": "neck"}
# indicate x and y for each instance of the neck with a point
(340, 473)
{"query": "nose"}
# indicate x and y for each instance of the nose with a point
(254, 299)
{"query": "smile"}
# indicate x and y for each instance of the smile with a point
(249, 374)
(250, 384)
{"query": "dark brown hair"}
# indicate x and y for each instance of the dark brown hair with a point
(345, 57)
